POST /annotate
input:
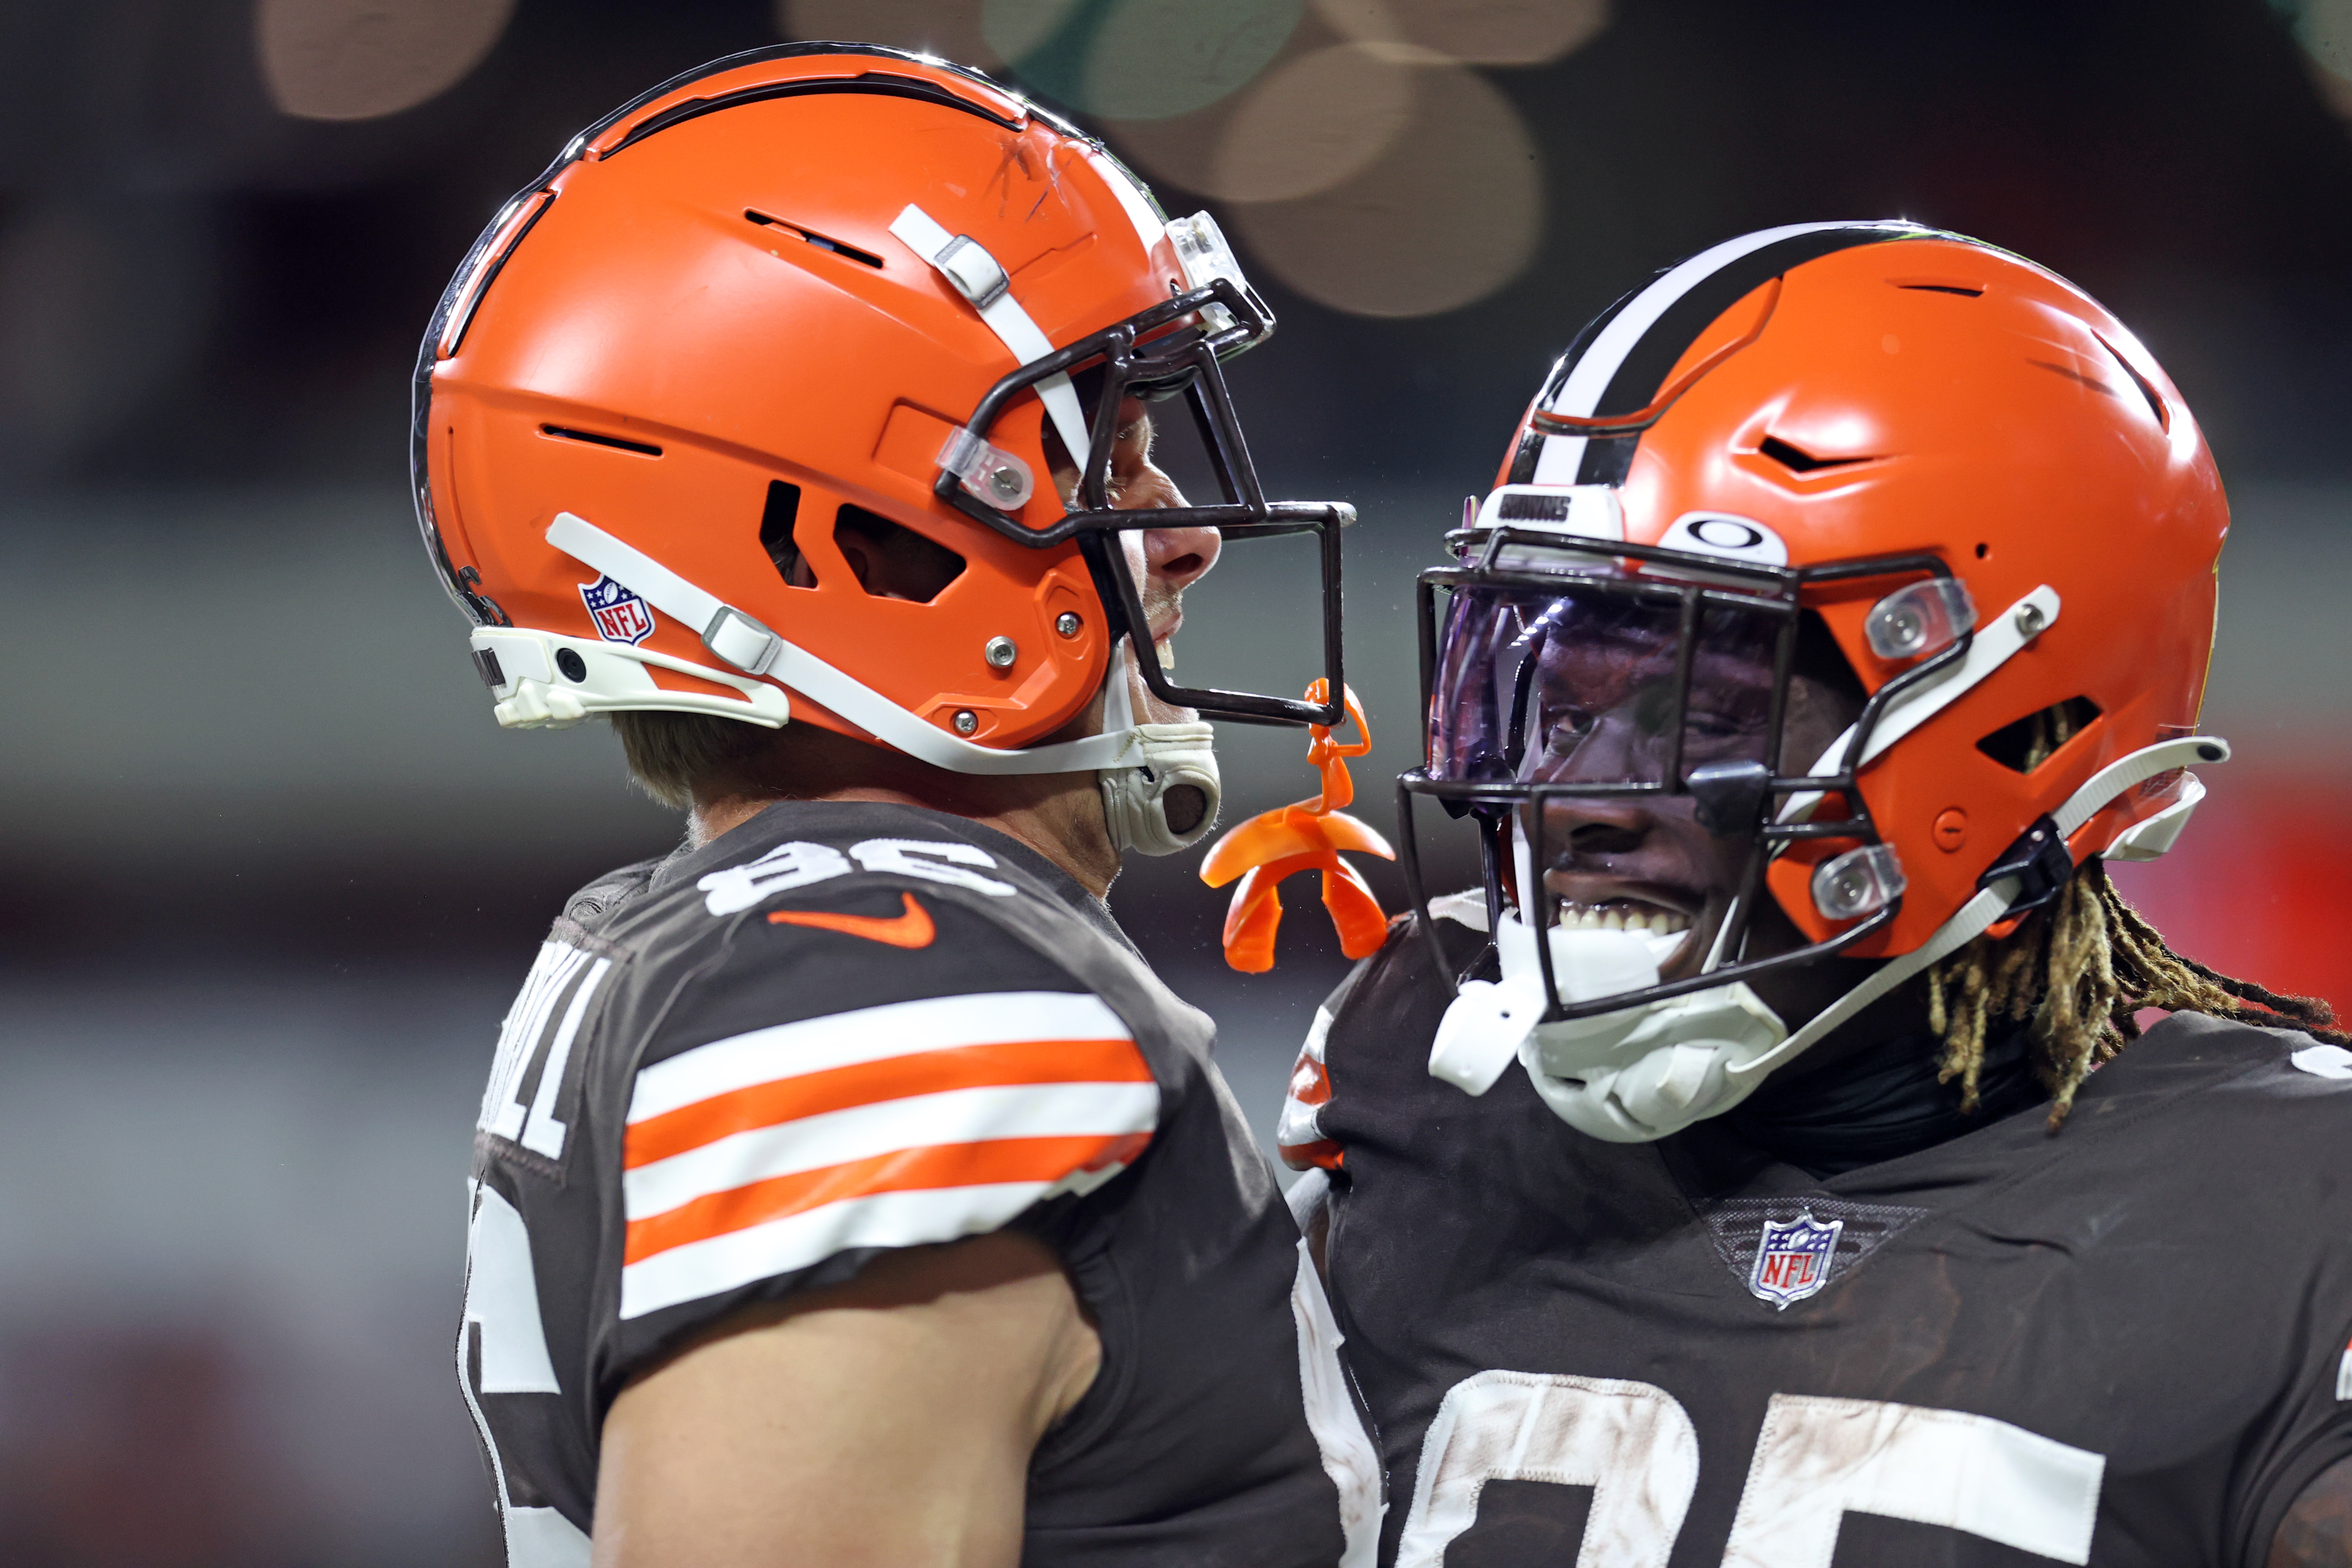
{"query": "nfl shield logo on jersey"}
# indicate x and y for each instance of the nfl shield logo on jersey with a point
(620, 616)
(1792, 1260)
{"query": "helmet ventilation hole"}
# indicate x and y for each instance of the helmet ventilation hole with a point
(822, 242)
(619, 444)
(2155, 403)
(891, 560)
(1796, 459)
(2033, 740)
(1965, 291)
(776, 521)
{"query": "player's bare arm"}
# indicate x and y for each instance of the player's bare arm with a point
(885, 1421)
(841, 1184)
(1766, 1162)
(2317, 1530)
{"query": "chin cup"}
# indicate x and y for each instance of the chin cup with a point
(1136, 798)
(1627, 1077)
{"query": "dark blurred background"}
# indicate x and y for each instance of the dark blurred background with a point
(274, 870)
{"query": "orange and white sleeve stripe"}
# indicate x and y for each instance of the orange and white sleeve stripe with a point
(1299, 1133)
(919, 1121)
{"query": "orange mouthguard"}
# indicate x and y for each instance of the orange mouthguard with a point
(1305, 836)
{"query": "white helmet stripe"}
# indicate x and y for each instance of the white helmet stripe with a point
(1595, 372)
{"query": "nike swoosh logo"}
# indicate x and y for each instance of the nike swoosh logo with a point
(912, 928)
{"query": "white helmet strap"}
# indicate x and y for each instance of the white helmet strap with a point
(1985, 911)
(1994, 643)
(753, 648)
(976, 275)
(1674, 1061)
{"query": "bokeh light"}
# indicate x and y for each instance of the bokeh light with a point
(1311, 125)
(1312, 120)
(1137, 59)
(1366, 167)
(1474, 32)
(948, 29)
(100, 304)
(357, 59)
(1017, 29)
(1447, 216)
(2324, 29)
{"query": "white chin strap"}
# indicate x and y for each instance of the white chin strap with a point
(2141, 841)
(535, 688)
(1170, 757)
(1643, 1072)
(1627, 1077)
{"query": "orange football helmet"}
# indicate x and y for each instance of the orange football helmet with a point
(819, 297)
(1984, 488)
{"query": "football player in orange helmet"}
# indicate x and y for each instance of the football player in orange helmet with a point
(846, 1189)
(1842, 607)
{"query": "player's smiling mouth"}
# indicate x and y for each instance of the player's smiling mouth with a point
(1590, 900)
(1622, 914)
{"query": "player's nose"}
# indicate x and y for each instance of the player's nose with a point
(1179, 557)
(1594, 828)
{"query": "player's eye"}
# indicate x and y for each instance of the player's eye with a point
(1570, 728)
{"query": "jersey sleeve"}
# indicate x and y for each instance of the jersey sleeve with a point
(1370, 1028)
(1299, 1135)
(2312, 1434)
(2309, 1429)
(831, 1086)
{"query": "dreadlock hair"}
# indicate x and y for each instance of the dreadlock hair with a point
(2079, 968)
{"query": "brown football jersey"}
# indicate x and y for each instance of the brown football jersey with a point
(2123, 1342)
(842, 1028)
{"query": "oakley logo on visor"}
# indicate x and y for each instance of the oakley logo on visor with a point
(1740, 539)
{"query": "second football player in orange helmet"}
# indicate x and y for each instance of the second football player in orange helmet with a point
(1766, 1164)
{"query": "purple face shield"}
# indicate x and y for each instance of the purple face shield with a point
(1559, 667)
(1600, 684)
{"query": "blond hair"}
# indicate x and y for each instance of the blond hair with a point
(2076, 971)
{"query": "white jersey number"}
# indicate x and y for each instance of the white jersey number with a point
(1630, 1442)
(1816, 1461)
(502, 1303)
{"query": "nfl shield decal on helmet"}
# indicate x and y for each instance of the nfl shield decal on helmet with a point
(1792, 1260)
(620, 616)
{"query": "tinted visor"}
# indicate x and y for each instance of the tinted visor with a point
(1603, 682)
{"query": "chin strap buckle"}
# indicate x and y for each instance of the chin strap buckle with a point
(2041, 862)
(1307, 836)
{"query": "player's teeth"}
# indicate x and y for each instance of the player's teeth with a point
(1589, 917)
